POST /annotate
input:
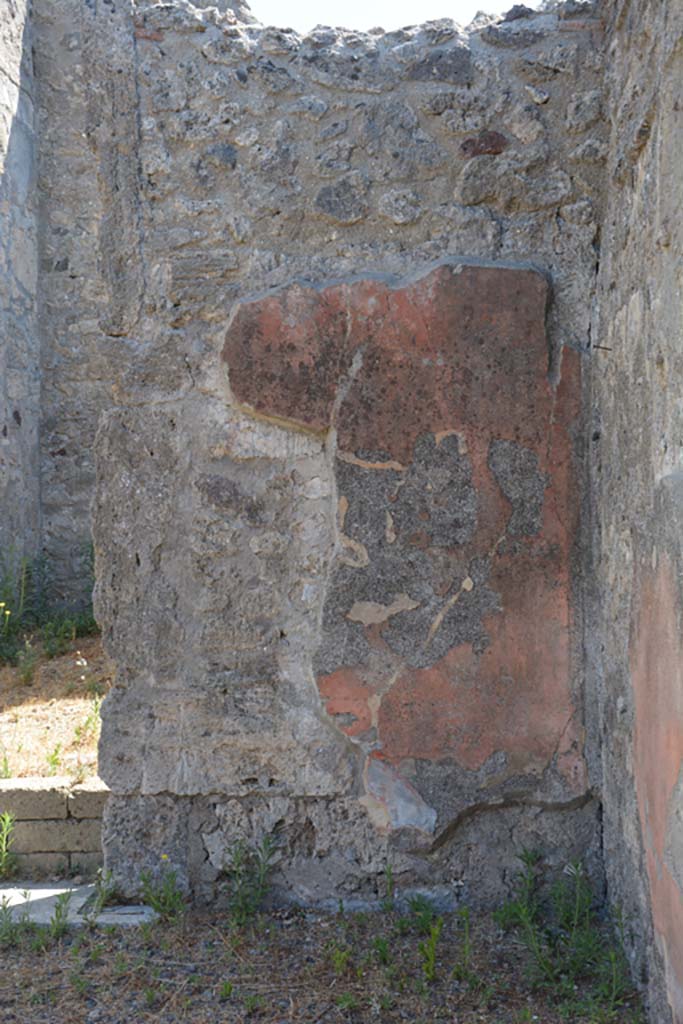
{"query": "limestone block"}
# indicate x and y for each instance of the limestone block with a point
(38, 865)
(87, 799)
(70, 836)
(35, 798)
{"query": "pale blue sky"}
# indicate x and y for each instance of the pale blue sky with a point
(304, 15)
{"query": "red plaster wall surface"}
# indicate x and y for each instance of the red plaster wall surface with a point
(657, 673)
(449, 430)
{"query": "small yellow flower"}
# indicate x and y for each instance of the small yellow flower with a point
(164, 856)
(7, 611)
(2, 604)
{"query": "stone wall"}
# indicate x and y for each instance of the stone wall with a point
(83, 78)
(19, 339)
(380, 338)
(323, 131)
(637, 444)
(58, 824)
(269, 678)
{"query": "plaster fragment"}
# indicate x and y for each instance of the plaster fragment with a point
(370, 613)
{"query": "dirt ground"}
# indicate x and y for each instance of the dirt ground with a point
(292, 967)
(49, 724)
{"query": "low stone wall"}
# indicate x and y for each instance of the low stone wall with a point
(58, 824)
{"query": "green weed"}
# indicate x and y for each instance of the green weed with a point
(88, 728)
(14, 588)
(8, 927)
(57, 635)
(462, 971)
(380, 948)
(7, 858)
(26, 660)
(404, 925)
(39, 939)
(78, 982)
(163, 894)
(225, 991)
(26, 612)
(105, 894)
(59, 922)
(389, 887)
(247, 879)
(84, 623)
(121, 965)
(423, 914)
(347, 1001)
(571, 956)
(95, 688)
(524, 905)
(340, 957)
(54, 759)
(15, 926)
(427, 951)
(252, 1003)
(147, 936)
(96, 953)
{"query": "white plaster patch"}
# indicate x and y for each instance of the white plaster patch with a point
(372, 614)
(402, 804)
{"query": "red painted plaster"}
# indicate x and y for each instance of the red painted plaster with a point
(657, 673)
(459, 348)
(461, 351)
(345, 693)
(512, 698)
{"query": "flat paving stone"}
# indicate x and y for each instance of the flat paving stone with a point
(36, 903)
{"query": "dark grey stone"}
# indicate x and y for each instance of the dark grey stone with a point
(517, 12)
(346, 200)
(518, 476)
(511, 40)
(223, 154)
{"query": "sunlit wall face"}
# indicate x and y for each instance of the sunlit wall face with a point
(303, 15)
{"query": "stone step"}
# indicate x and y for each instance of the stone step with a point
(36, 903)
